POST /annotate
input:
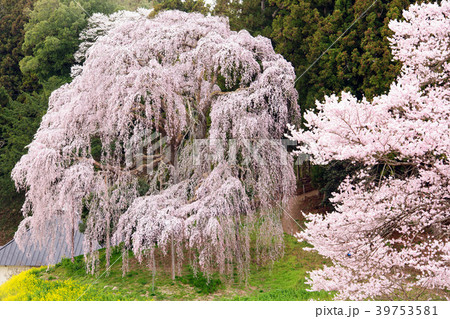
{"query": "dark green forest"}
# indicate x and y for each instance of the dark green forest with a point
(38, 39)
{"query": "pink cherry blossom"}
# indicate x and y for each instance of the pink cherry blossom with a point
(388, 236)
(179, 102)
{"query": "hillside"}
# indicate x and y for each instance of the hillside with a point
(285, 280)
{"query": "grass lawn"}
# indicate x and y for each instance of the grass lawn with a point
(284, 280)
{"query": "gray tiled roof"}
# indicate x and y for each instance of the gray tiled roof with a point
(11, 255)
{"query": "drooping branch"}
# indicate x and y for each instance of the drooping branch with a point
(389, 233)
(156, 86)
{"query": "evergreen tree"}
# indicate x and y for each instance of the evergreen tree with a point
(13, 16)
(359, 62)
(185, 6)
(255, 16)
(51, 35)
(19, 120)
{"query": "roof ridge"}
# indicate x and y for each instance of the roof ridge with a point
(8, 243)
(34, 254)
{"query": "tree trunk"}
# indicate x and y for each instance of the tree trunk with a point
(174, 160)
(153, 271)
(108, 242)
(72, 242)
(173, 259)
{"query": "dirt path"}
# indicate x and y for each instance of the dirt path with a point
(307, 203)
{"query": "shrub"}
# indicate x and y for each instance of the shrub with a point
(26, 286)
(201, 282)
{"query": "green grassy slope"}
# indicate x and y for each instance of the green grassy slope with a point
(282, 281)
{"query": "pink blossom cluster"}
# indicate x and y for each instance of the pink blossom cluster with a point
(388, 236)
(147, 89)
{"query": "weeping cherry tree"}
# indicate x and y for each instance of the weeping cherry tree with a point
(168, 138)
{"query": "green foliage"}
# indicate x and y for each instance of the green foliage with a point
(19, 120)
(142, 281)
(77, 267)
(359, 62)
(202, 284)
(301, 30)
(284, 280)
(13, 16)
(96, 148)
(289, 294)
(255, 16)
(43, 35)
(10, 217)
(327, 178)
(4, 97)
(51, 35)
(132, 4)
(143, 186)
(186, 6)
(27, 286)
(46, 32)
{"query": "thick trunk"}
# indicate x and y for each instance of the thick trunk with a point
(153, 271)
(108, 242)
(174, 159)
(173, 258)
(72, 242)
